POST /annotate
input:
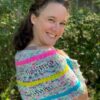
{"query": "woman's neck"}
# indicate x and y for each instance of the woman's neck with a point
(39, 46)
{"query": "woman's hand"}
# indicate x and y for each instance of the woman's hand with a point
(82, 97)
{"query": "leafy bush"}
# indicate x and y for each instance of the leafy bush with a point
(9, 19)
(81, 41)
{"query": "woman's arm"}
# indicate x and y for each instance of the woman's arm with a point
(76, 69)
(82, 97)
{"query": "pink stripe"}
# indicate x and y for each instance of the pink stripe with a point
(37, 57)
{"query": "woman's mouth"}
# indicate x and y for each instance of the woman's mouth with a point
(51, 35)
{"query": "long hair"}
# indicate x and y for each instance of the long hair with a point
(25, 34)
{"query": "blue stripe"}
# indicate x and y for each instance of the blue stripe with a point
(69, 91)
(69, 62)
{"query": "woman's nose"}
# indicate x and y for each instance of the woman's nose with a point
(56, 27)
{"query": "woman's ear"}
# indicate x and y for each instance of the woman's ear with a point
(33, 19)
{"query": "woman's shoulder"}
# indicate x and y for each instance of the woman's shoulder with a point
(28, 53)
(51, 53)
(23, 54)
(73, 63)
(35, 56)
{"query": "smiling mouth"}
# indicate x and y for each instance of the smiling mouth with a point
(51, 35)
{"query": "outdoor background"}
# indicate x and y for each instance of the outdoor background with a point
(81, 41)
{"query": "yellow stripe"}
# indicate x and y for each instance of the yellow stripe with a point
(43, 80)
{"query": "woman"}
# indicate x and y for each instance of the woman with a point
(44, 72)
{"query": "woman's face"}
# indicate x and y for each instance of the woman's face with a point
(49, 25)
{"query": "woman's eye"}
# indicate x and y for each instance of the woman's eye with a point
(63, 24)
(51, 20)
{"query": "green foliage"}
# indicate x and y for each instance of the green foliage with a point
(81, 41)
(10, 92)
(11, 12)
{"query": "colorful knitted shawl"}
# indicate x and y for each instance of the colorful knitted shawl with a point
(46, 74)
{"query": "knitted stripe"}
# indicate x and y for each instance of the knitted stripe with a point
(44, 80)
(67, 92)
(37, 57)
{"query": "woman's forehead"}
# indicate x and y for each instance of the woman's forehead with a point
(54, 10)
